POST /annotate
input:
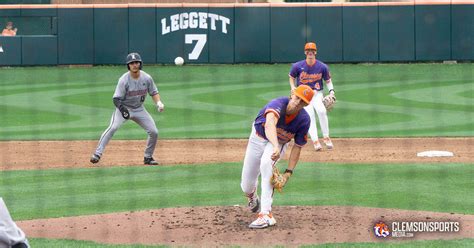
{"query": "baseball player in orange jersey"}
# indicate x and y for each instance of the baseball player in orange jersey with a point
(312, 72)
(281, 120)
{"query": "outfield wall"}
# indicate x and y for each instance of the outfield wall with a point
(240, 33)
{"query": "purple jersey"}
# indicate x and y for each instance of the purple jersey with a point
(288, 127)
(310, 75)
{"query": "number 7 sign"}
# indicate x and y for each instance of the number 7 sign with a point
(201, 42)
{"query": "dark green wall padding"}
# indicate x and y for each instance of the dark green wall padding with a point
(111, 32)
(76, 36)
(142, 32)
(462, 32)
(39, 50)
(324, 25)
(287, 33)
(360, 32)
(240, 34)
(396, 33)
(11, 47)
(433, 32)
(252, 35)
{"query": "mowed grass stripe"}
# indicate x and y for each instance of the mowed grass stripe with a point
(222, 100)
(59, 243)
(54, 193)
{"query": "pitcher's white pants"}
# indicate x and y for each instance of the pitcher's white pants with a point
(258, 161)
(317, 105)
(10, 233)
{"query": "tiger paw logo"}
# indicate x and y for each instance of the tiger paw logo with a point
(381, 230)
(305, 92)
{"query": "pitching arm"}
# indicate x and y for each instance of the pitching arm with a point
(271, 133)
(294, 158)
(292, 83)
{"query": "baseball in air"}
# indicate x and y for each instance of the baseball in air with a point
(178, 61)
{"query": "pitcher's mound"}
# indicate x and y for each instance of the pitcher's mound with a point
(216, 226)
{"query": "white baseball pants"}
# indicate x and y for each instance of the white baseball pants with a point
(258, 161)
(10, 233)
(317, 105)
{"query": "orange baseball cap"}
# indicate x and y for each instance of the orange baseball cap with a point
(310, 46)
(305, 93)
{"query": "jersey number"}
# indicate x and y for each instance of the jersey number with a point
(201, 42)
(142, 99)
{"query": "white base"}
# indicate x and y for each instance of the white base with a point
(435, 154)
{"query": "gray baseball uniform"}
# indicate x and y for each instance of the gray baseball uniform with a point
(10, 233)
(132, 92)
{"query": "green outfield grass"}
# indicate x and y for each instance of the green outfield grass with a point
(70, 192)
(87, 244)
(221, 101)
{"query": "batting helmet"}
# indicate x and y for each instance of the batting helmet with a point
(132, 57)
(310, 46)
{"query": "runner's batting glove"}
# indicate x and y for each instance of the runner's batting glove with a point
(160, 106)
(124, 111)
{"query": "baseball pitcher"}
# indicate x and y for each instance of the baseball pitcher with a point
(312, 72)
(131, 91)
(10, 234)
(281, 120)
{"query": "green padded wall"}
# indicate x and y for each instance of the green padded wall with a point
(110, 35)
(39, 12)
(397, 33)
(11, 47)
(433, 32)
(142, 33)
(462, 41)
(9, 12)
(170, 44)
(259, 34)
(39, 50)
(252, 34)
(76, 36)
(288, 34)
(193, 35)
(325, 28)
(221, 40)
(360, 34)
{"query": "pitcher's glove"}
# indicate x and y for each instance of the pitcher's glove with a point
(278, 180)
(124, 111)
(329, 101)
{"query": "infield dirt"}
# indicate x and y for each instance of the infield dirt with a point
(227, 225)
(20, 155)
